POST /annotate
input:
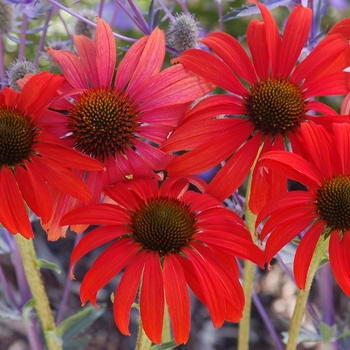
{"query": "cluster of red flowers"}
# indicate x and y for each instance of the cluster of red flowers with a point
(93, 145)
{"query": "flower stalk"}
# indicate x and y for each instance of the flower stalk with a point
(319, 254)
(36, 285)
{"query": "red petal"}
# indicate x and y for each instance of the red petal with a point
(107, 266)
(150, 61)
(256, 40)
(339, 259)
(231, 51)
(290, 165)
(106, 53)
(95, 239)
(272, 38)
(152, 298)
(294, 38)
(177, 298)
(86, 49)
(55, 172)
(71, 67)
(212, 288)
(282, 235)
(125, 294)
(212, 69)
(35, 191)
(235, 171)
(98, 214)
(13, 212)
(305, 253)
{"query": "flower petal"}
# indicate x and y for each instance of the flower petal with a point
(305, 252)
(152, 298)
(125, 294)
(107, 266)
(106, 53)
(177, 298)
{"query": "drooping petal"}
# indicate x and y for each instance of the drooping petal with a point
(342, 139)
(95, 239)
(212, 288)
(266, 185)
(13, 213)
(339, 259)
(126, 292)
(282, 235)
(209, 152)
(305, 252)
(107, 266)
(152, 298)
(290, 165)
(177, 298)
(234, 172)
(283, 202)
(35, 191)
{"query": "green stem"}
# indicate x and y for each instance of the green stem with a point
(248, 272)
(142, 342)
(303, 295)
(248, 280)
(166, 333)
(33, 275)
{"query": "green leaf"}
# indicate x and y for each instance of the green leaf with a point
(326, 332)
(56, 337)
(41, 263)
(76, 324)
(27, 309)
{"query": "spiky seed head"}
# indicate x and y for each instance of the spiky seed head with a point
(17, 70)
(183, 32)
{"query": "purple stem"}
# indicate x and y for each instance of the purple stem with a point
(66, 9)
(8, 290)
(325, 285)
(140, 17)
(221, 23)
(183, 6)
(165, 10)
(267, 321)
(68, 284)
(100, 8)
(265, 317)
(43, 37)
(22, 39)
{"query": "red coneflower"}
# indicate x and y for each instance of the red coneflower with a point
(279, 97)
(120, 118)
(168, 237)
(323, 166)
(32, 161)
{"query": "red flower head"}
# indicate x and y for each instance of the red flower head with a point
(279, 96)
(119, 118)
(322, 210)
(168, 237)
(32, 161)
